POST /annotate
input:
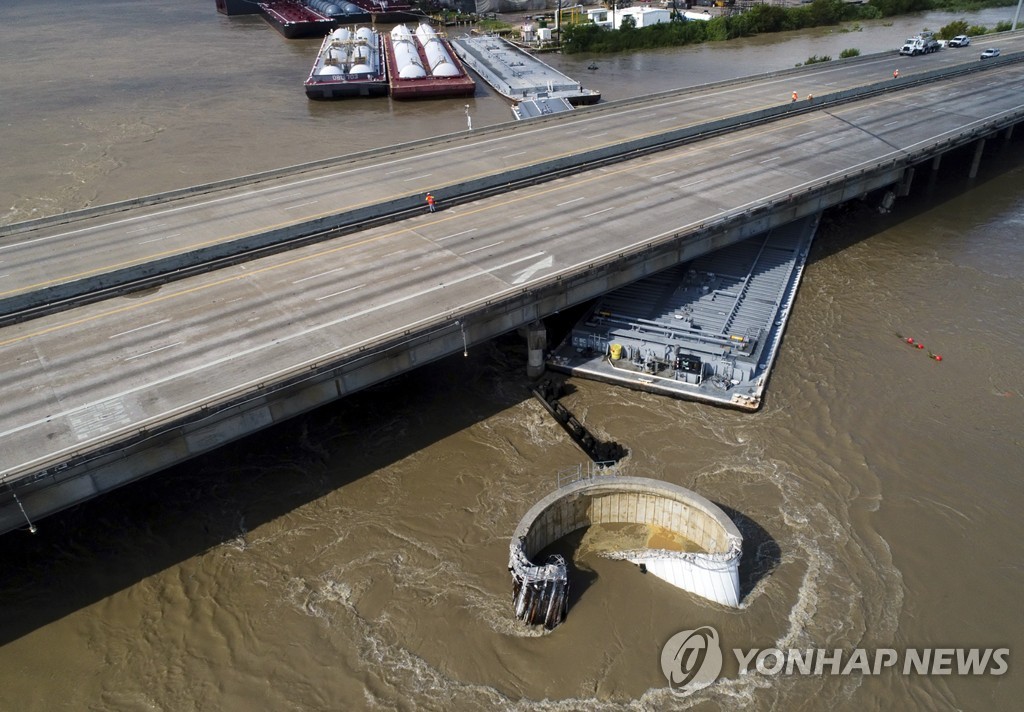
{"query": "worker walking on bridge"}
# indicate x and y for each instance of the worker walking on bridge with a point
(795, 96)
(430, 202)
(896, 74)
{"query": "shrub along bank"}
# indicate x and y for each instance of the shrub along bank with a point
(587, 37)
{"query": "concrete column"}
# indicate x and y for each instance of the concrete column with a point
(536, 344)
(933, 177)
(978, 150)
(1009, 134)
(903, 190)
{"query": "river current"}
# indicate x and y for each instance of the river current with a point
(355, 558)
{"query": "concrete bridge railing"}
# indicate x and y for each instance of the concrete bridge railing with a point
(20, 306)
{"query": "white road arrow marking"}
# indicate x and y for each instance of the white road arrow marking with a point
(533, 269)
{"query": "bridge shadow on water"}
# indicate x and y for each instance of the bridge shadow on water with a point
(85, 554)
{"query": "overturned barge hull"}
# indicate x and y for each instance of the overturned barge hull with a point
(540, 592)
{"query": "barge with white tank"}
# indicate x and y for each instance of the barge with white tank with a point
(421, 64)
(706, 330)
(349, 63)
(296, 19)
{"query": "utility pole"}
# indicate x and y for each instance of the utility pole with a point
(558, 23)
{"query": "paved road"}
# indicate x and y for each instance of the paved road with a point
(75, 379)
(96, 245)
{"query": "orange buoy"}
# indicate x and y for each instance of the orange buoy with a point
(910, 339)
(920, 346)
(937, 357)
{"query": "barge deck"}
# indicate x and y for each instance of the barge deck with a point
(518, 75)
(706, 330)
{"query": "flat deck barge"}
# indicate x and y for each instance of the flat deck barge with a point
(705, 330)
(518, 75)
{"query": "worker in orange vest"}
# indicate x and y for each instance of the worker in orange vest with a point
(430, 202)
(795, 97)
(896, 74)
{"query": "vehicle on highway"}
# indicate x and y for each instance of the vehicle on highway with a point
(960, 41)
(923, 43)
(989, 53)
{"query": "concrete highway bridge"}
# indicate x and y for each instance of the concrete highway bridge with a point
(137, 335)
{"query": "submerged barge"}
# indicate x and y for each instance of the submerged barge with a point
(705, 330)
(518, 75)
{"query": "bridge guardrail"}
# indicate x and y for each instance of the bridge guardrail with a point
(51, 469)
(67, 295)
(21, 307)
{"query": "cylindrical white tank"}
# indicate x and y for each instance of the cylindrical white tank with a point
(407, 59)
(364, 52)
(440, 62)
(348, 53)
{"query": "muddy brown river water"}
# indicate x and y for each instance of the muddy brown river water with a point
(355, 557)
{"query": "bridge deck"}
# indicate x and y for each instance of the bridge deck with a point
(63, 249)
(96, 375)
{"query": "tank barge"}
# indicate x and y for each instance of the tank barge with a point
(349, 63)
(518, 75)
(296, 19)
(423, 65)
(706, 330)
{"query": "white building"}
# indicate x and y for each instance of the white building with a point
(644, 16)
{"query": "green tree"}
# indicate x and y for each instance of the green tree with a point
(957, 27)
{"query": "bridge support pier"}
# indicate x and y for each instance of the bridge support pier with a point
(536, 344)
(906, 180)
(933, 177)
(1008, 135)
(979, 148)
